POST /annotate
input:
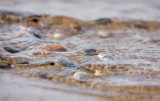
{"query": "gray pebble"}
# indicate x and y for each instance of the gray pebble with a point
(91, 52)
(67, 63)
(42, 75)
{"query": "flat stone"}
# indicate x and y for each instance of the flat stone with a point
(90, 52)
(103, 21)
(12, 49)
(50, 48)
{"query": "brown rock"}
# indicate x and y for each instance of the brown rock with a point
(50, 48)
(63, 21)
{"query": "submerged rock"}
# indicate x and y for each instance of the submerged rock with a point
(67, 63)
(50, 48)
(63, 21)
(103, 21)
(12, 49)
(42, 75)
(21, 61)
(90, 52)
(34, 32)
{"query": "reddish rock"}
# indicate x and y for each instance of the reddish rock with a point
(50, 48)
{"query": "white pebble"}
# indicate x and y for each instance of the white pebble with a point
(58, 35)
(101, 56)
(81, 76)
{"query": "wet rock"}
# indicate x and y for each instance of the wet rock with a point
(50, 48)
(140, 25)
(12, 49)
(34, 20)
(104, 34)
(9, 17)
(63, 21)
(82, 76)
(102, 21)
(67, 63)
(42, 75)
(90, 52)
